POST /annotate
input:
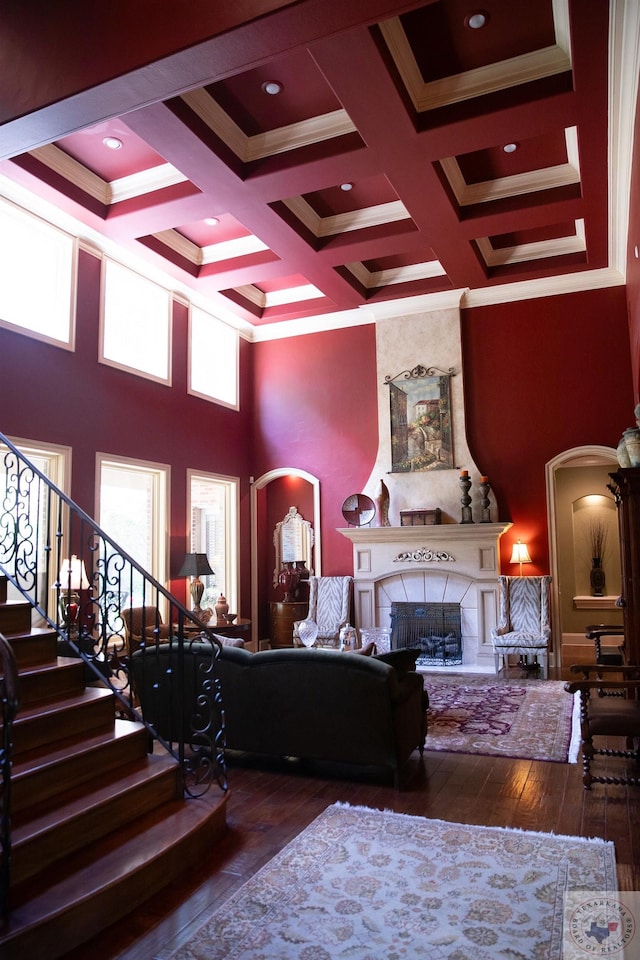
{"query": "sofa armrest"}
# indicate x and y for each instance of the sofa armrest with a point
(403, 661)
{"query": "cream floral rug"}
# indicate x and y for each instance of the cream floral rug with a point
(531, 719)
(362, 884)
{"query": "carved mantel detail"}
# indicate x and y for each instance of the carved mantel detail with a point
(424, 555)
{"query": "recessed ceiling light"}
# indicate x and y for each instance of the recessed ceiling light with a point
(346, 186)
(112, 143)
(211, 221)
(272, 87)
(477, 20)
(510, 147)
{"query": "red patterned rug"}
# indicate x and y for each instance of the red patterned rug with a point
(530, 720)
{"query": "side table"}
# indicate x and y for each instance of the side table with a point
(283, 616)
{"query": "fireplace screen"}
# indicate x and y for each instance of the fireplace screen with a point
(433, 627)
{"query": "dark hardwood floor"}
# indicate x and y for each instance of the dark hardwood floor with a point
(270, 802)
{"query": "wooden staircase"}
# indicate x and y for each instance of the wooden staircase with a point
(99, 825)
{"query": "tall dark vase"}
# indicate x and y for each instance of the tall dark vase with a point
(597, 578)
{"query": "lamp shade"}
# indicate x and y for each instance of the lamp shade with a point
(520, 553)
(73, 575)
(195, 565)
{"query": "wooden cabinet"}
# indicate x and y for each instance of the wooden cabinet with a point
(283, 616)
(626, 489)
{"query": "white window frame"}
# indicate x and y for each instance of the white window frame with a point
(161, 485)
(58, 470)
(153, 326)
(231, 535)
(218, 342)
(52, 295)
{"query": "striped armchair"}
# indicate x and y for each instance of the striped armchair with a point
(523, 627)
(329, 604)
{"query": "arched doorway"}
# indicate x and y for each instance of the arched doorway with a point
(579, 503)
(271, 495)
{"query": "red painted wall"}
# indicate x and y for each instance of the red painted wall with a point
(316, 401)
(53, 395)
(541, 376)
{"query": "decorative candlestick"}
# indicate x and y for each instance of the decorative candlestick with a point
(485, 516)
(465, 499)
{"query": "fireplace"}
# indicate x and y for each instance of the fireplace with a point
(434, 628)
(451, 563)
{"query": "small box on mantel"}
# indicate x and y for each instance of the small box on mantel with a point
(420, 518)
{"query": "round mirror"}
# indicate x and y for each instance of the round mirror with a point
(358, 509)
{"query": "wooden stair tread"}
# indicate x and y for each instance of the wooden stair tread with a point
(46, 756)
(104, 884)
(49, 708)
(91, 797)
(30, 633)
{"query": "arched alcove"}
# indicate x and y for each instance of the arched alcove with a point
(577, 495)
(272, 495)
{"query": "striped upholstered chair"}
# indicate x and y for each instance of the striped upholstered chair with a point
(523, 625)
(329, 605)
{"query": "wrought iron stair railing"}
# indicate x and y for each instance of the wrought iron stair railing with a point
(83, 585)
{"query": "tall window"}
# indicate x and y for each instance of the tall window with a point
(133, 510)
(136, 323)
(213, 359)
(41, 302)
(213, 523)
(37, 526)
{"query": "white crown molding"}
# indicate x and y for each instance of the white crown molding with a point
(466, 299)
(374, 216)
(522, 253)
(105, 192)
(289, 137)
(624, 70)
(514, 71)
(532, 181)
(213, 253)
(384, 278)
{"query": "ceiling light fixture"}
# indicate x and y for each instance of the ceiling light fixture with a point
(346, 186)
(211, 221)
(272, 87)
(477, 20)
(112, 143)
(510, 147)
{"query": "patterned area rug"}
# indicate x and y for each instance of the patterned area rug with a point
(531, 720)
(364, 884)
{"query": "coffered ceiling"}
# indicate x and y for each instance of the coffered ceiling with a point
(325, 156)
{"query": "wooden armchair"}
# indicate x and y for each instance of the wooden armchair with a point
(609, 707)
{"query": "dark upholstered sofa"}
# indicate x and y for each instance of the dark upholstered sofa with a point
(315, 704)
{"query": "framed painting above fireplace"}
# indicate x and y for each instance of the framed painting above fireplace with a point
(420, 410)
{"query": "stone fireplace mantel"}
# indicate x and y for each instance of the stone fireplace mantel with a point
(440, 563)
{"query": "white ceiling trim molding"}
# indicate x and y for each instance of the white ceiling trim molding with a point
(371, 279)
(375, 216)
(487, 296)
(105, 192)
(512, 72)
(277, 298)
(289, 137)
(213, 253)
(533, 181)
(541, 249)
(624, 70)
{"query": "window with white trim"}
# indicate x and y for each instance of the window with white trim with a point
(37, 277)
(132, 508)
(213, 359)
(213, 529)
(135, 328)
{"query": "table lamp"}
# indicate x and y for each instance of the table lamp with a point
(520, 554)
(196, 565)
